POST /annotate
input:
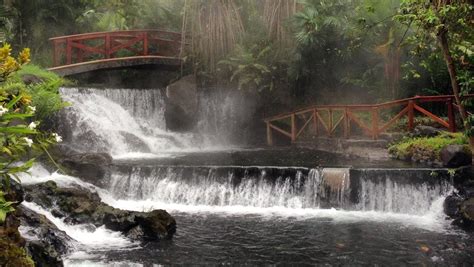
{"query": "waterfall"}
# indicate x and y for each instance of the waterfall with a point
(131, 122)
(224, 116)
(266, 187)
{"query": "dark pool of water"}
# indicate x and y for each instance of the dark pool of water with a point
(268, 157)
(255, 240)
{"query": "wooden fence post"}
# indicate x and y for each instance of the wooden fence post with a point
(411, 111)
(315, 122)
(269, 135)
(346, 123)
(293, 127)
(55, 53)
(375, 123)
(79, 53)
(451, 116)
(330, 122)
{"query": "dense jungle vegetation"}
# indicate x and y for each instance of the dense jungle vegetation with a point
(313, 50)
(290, 53)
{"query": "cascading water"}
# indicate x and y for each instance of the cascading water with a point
(127, 122)
(224, 116)
(118, 121)
(266, 187)
(218, 204)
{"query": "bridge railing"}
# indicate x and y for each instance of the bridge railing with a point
(332, 120)
(85, 47)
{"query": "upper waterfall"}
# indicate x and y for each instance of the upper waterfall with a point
(124, 122)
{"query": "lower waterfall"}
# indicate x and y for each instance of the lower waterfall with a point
(267, 187)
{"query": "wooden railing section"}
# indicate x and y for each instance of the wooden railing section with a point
(105, 45)
(333, 119)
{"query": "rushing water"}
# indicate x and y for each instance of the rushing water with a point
(279, 227)
(131, 122)
(243, 214)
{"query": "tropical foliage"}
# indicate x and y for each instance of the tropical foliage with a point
(20, 139)
(446, 24)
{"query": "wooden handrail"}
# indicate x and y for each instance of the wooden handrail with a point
(113, 32)
(79, 48)
(375, 127)
(439, 98)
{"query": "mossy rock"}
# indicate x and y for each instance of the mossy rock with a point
(11, 255)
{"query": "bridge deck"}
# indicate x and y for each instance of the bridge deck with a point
(116, 63)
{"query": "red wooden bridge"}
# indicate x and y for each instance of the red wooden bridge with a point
(86, 52)
(372, 120)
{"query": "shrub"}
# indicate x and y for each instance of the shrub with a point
(426, 148)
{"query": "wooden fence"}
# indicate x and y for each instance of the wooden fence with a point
(333, 119)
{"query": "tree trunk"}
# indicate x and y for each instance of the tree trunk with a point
(443, 42)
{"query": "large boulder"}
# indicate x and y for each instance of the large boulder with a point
(181, 104)
(80, 206)
(454, 156)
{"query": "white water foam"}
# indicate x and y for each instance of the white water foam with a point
(91, 237)
(217, 186)
(431, 218)
(128, 123)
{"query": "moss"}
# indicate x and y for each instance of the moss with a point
(39, 72)
(429, 147)
(11, 255)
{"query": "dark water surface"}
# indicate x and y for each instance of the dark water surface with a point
(255, 240)
(286, 156)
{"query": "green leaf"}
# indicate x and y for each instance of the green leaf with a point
(11, 116)
(17, 130)
(13, 101)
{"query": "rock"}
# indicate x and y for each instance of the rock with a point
(118, 220)
(14, 191)
(181, 104)
(451, 205)
(45, 243)
(467, 209)
(156, 225)
(31, 79)
(425, 131)
(80, 206)
(137, 143)
(91, 167)
(43, 254)
(454, 156)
